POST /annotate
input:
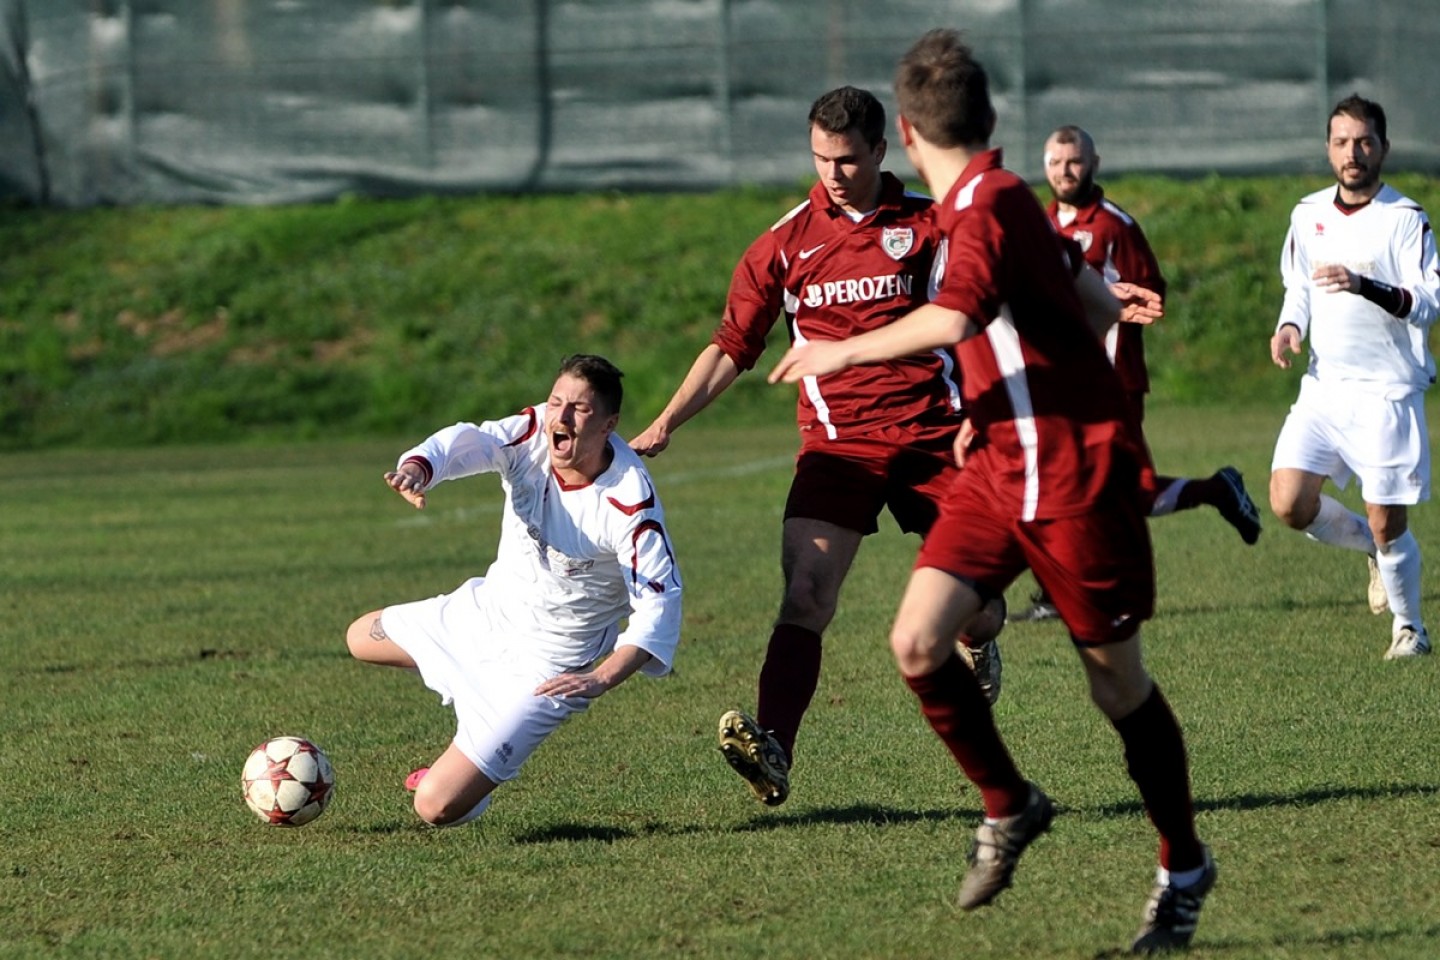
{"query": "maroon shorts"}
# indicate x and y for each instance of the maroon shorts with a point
(1097, 567)
(848, 482)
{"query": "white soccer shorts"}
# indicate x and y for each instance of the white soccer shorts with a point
(1342, 431)
(489, 680)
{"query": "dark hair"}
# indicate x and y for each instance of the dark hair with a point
(1361, 109)
(850, 108)
(943, 91)
(602, 375)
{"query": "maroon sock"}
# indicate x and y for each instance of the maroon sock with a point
(788, 679)
(1155, 757)
(1211, 490)
(951, 701)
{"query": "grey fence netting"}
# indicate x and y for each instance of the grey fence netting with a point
(267, 101)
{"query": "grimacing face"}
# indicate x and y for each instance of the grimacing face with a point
(848, 167)
(1356, 153)
(1069, 171)
(578, 427)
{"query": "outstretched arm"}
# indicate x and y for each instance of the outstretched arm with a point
(1108, 304)
(923, 328)
(711, 373)
(611, 672)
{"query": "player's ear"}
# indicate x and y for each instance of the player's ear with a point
(906, 131)
(879, 150)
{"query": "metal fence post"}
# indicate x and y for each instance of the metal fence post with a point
(424, 107)
(724, 90)
(1322, 61)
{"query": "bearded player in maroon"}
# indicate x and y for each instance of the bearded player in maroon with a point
(1051, 483)
(1115, 246)
(853, 257)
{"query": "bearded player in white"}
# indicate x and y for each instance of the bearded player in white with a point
(1362, 280)
(583, 546)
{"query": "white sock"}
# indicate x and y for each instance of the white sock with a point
(475, 812)
(1399, 563)
(1340, 526)
(1165, 502)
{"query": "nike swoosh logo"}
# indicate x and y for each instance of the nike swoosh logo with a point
(806, 254)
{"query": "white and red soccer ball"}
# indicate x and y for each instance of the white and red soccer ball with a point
(288, 781)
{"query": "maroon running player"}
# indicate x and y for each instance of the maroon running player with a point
(1115, 246)
(854, 256)
(1051, 483)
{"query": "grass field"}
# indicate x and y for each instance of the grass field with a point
(164, 611)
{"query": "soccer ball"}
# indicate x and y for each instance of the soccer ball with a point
(287, 781)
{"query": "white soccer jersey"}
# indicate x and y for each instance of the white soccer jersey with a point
(572, 562)
(1352, 339)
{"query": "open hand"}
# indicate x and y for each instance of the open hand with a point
(409, 484)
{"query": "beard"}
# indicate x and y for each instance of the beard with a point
(1077, 193)
(1360, 180)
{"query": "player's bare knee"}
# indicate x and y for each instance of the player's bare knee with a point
(1295, 515)
(1290, 506)
(1117, 693)
(915, 653)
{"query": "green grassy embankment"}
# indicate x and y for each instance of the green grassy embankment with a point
(128, 327)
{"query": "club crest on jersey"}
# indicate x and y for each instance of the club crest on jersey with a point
(897, 241)
(1083, 237)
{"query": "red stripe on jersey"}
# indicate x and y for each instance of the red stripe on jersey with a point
(647, 526)
(530, 427)
(630, 509)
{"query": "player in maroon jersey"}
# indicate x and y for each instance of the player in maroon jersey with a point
(1115, 246)
(1051, 483)
(854, 256)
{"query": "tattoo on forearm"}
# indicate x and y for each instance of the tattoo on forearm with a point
(377, 632)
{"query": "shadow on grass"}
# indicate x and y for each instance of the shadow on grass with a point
(1287, 604)
(1304, 798)
(212, 655)
(864, 814)
(878, 816)
(857, 814)
(1295, 946)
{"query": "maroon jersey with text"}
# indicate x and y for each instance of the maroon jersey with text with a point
(833, 278)
(1037, 383)
(1116, 247)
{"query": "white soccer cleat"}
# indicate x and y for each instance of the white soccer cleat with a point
(1375, 593)
(1171, 913)
(1408, 642)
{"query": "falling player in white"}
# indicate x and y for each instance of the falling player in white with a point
(1362, 280)
(582, 547)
